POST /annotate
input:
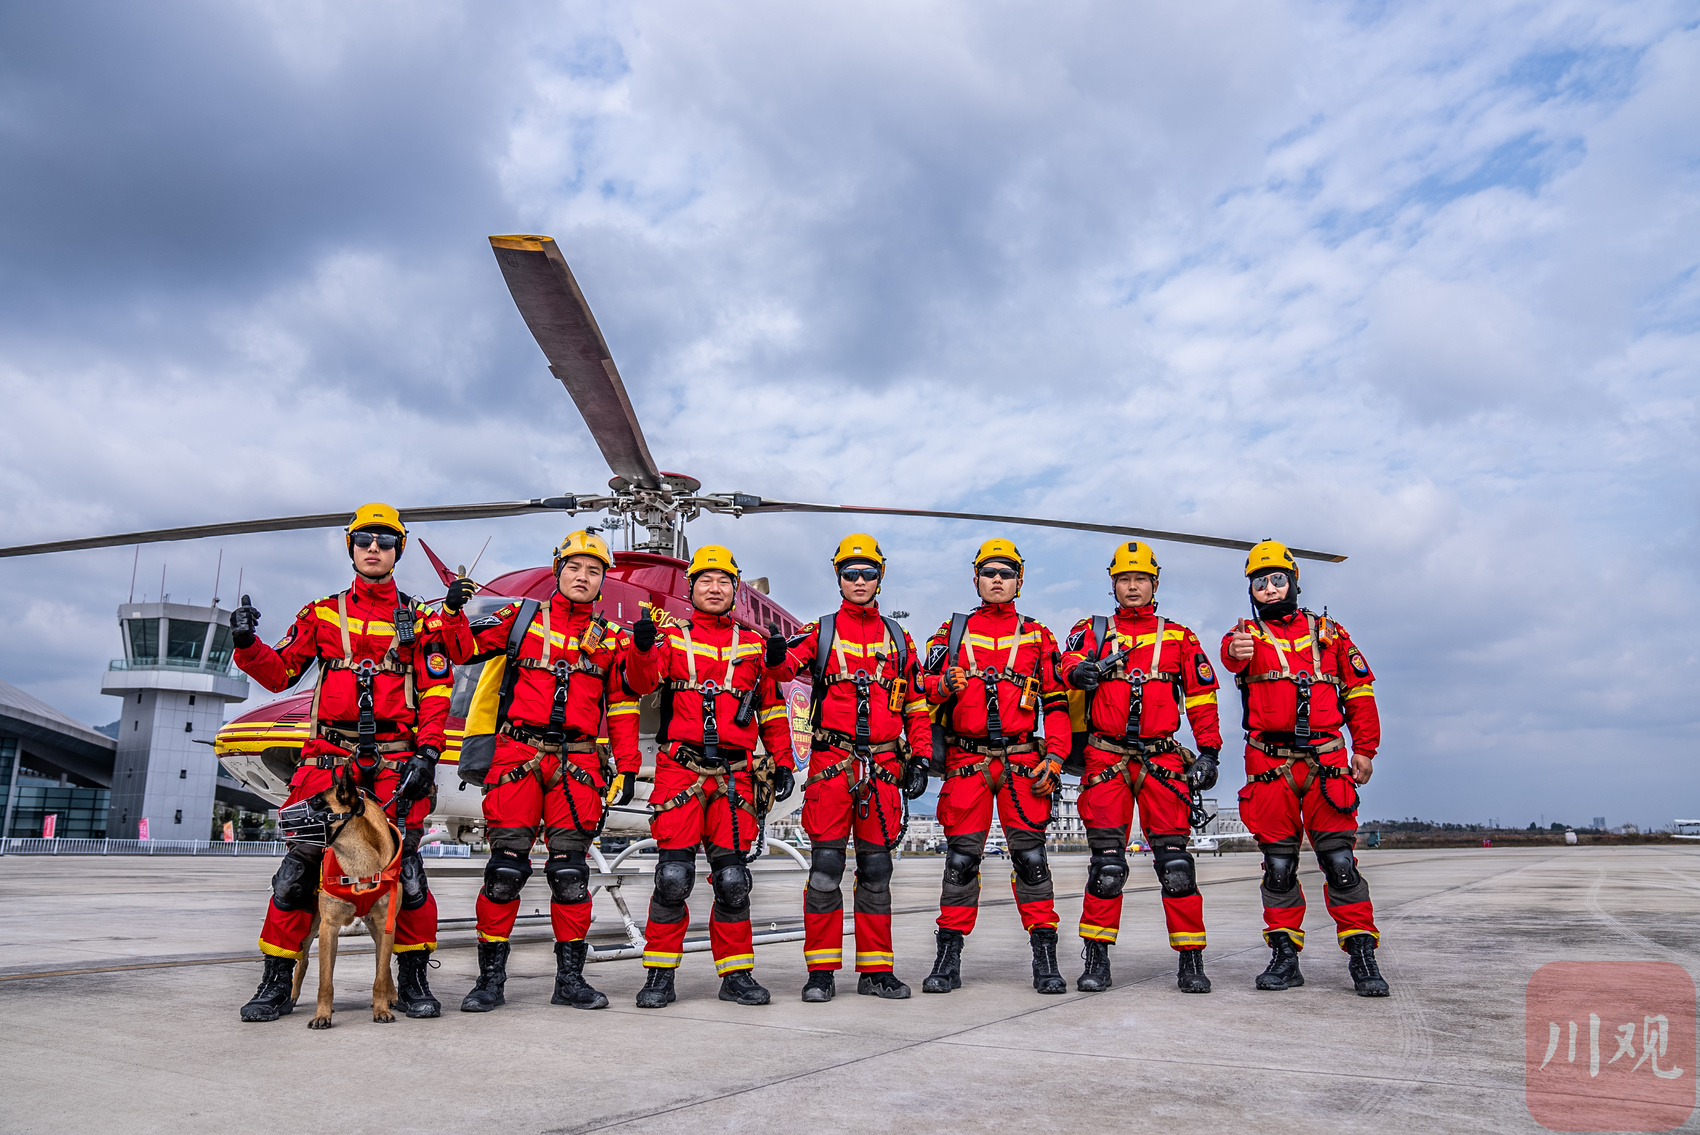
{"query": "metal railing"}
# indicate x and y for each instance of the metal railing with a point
(227, 669)
(34, 846)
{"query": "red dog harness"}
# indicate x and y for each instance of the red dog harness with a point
(363, 892)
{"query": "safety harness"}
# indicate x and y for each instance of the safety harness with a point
(1130, 746)
(715, 767)
(552, 739)
(995, 747)
(859, 767)
(1301, 749)
(360, 747)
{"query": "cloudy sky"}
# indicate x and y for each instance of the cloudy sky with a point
(1414, 282)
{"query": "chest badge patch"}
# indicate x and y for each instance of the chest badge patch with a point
(1359, 666)
(437, 664)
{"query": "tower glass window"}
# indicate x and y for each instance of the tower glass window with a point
(222, 648)
(144, 639)
(184, 639)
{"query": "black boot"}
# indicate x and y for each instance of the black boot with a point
(820, 987)
(947, 967)
(1366, 975)
(412, 991)
(1283, 971)
(1191, 978)
(1095, 978)
(882, 984)
(741, 987)
(570, 986)
(492, 979)
(657, 989)
(1047, 978)
(272, 1000)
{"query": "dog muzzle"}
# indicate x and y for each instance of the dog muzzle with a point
(310, 824)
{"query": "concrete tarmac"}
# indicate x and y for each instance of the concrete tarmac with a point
(120, 979)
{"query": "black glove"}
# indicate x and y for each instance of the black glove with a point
(418, 775)
(459, 592)
(243, 622)
(1085, 676)
(620, 790)
(775, 647)
(643, 633)
(915, 780)
(784, 783)
(1201, 777)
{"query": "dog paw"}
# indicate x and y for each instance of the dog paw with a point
(319, 1023)
(382, 1016)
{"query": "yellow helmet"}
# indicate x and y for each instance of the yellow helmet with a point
(376, 515)
(1270, 555)
(859, 546)
(1000, 549)
(1134, 556)
(583, 543)
(712, 557)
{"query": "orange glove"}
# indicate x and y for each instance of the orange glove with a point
(1049, 780)
(954, 681)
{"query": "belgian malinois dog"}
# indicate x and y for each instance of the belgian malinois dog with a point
(361, 871)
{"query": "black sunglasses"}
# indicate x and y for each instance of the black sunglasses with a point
(998, 573)
(854, 574)
(384, 540)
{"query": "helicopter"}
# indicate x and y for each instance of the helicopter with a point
(261, 747)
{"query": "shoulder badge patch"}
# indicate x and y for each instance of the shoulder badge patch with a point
(437, 664)
(1359, 666)
(286, 639)
(1077, 639)
(1201, 666)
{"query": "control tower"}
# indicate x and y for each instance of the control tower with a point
(174, 680)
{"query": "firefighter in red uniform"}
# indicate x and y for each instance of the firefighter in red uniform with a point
(1138, 670)
(720, 696)
(380, 706)
(994, 673)
(867, 699)
(1302, 679)
(573, 670)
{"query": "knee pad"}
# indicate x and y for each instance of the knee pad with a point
(873, 869)
(732, 883)
(1339, 867)
(1107, 873)
(1175, 871)
(826, 868)
(414, 889)
(1030, 865)
(505, 876)
(569, 878)
(1280, 870)
(295, 881)
(960, 868)
(674, 879)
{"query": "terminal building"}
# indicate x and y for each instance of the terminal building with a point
(155, 762)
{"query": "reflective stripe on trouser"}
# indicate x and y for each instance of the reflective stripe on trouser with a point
(1274, 814)
(686, 826)
(965, 810)
(1106, 810)
(829, 814)
(512, 815)
(284, 932)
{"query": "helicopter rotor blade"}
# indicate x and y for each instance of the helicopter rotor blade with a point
(560, 320)
(315, 520)
(753, 504)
